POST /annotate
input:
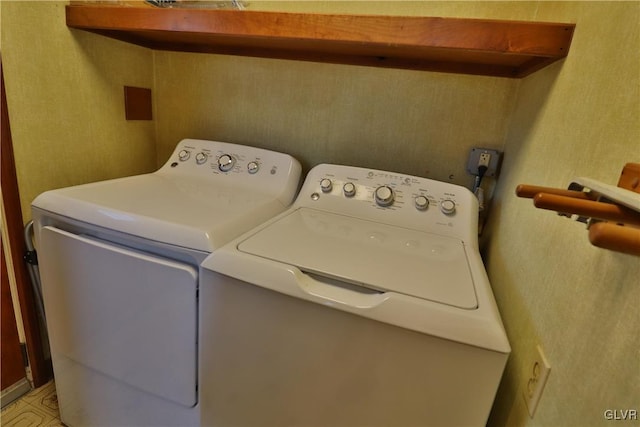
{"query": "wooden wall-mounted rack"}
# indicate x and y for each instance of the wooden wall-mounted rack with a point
(612, 214)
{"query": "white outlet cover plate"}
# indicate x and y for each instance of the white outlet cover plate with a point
(535, 380)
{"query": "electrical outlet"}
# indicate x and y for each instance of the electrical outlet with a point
(484, 160)
(535, 379)
(484, 157)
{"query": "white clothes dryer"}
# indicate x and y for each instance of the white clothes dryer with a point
(119, 266)
(365, 303)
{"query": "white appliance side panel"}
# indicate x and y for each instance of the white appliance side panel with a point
(275, 360)
(125, 314)
(375, 255)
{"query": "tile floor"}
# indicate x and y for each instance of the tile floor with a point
(39, 407)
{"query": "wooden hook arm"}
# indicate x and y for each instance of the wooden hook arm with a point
(588, 208)
(615, 237)
(529, 192)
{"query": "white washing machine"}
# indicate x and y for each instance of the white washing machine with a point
(365, 303)
(119, 266)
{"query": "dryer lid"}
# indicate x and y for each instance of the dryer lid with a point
(370, 254)
(184, 211)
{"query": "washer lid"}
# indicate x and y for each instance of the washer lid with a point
(179, 210)
(369, 254)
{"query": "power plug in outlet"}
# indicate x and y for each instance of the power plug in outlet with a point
(484, 160)
(484, 157)
(535, 380)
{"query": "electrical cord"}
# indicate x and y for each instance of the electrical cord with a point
(481, 171)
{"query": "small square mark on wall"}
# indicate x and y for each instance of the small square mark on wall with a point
(137, 103)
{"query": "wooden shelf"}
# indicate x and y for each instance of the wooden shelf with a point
(469, 46)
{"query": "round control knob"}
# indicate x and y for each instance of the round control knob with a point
(421, 203)
(326, 185)
(226, 162)
(349, 189)
(253, 167)
(448, 206)
(384, 196)
(201, 158)
(184, 155)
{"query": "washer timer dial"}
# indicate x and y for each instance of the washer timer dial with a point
(384, 196)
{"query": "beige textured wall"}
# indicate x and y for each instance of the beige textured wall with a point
(579, 118)
(66, 102)
(406, 121)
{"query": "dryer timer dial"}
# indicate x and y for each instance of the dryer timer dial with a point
(226, 162)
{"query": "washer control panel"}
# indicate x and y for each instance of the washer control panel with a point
(234, 164)
(392, 198)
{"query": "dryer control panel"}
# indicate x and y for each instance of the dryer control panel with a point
(392, 198)
(237, 165)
